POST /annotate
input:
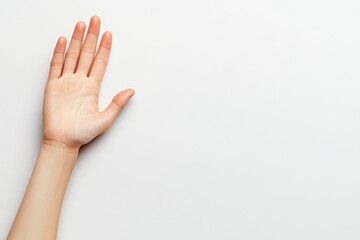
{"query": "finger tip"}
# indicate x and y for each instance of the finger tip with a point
(95, 19)
(108, 34)
(94, 26)
(60, 45)
(62, 40)
(79, 30)
(106, 40)
(81, 25)
(131, 92)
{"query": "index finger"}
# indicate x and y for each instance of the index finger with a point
(102, 57)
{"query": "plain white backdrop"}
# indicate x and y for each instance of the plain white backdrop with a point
(245, 123)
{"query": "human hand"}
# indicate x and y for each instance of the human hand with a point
(71, 116)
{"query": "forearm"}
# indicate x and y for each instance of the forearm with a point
(39, 212)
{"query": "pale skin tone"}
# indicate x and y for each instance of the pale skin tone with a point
(71, 118)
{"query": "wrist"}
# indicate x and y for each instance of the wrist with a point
(54, 145)
(59, 151)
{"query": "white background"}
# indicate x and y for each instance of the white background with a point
(244, 125)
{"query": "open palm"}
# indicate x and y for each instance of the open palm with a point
(70, 112)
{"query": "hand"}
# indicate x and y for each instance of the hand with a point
(71, 116)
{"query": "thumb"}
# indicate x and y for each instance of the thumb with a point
(108, 115)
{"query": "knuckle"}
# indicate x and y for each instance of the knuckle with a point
(117, 102)
(72, 55)
(101, 60)
(56, 63)
(87, 49)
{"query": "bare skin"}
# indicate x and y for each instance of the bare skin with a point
(71, 118)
